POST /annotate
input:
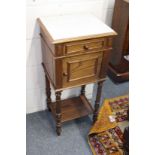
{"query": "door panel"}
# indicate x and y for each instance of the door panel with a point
(81, 68)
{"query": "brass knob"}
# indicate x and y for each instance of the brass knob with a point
(86, 47)
(65, 74)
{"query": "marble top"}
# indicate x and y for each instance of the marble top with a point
(73, 26)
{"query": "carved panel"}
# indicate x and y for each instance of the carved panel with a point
(79, 68)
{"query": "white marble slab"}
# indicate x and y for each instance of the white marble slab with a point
(75, 25)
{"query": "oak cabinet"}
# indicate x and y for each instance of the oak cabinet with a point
(76, 51)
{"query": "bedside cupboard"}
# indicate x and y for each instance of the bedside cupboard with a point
(76, 51)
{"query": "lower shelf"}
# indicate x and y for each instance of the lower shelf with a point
(73, 108)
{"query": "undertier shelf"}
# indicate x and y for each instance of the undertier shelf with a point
(73, 108)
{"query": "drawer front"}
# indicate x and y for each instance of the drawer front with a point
(81, 69)
(84, 46)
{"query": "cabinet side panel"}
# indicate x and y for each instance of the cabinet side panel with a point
(47, 39)
(48, 61)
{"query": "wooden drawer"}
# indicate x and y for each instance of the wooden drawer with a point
(84, 46)
(82, 68)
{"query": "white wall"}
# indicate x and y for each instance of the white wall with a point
(35, 85)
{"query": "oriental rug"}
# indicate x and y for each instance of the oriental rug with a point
(106, 135)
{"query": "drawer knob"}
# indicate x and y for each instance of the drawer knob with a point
(65, 74)
(86, 47)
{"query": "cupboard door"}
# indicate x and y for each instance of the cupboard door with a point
(81, 69)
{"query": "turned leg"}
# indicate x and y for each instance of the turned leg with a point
(83, 90)
(58, 112)
(48, 93)
(97, 101)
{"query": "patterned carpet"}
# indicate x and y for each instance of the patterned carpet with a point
(106, 135)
